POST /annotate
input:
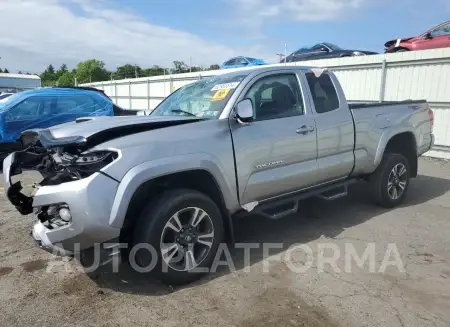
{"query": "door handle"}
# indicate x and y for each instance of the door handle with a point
(305, 129)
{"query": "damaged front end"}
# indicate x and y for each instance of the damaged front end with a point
(57, 162)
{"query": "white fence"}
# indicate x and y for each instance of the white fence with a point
(385, 77)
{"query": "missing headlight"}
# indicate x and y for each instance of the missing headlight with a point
(63, 166)
(86, 164)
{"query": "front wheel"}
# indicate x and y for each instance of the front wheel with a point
(184, 228)
(390, 181)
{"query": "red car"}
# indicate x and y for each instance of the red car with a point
(437, 37)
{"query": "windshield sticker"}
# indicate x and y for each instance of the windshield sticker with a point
(225, 86)
(220, 95)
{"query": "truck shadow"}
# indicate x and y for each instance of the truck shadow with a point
(315, 218)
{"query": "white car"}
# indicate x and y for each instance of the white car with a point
(5, 96)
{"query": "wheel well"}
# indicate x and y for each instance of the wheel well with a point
(405, 144)
(199, 180)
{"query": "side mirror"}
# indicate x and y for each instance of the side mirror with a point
(428, 36)
(323, 49)
(244, 111)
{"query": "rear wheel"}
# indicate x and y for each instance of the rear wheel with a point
(185, 228)
(390, 181)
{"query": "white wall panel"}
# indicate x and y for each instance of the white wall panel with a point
(408, 75)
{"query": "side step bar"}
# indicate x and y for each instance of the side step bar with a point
(281, 207)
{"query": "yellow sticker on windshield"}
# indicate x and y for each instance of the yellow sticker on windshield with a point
(220, 95)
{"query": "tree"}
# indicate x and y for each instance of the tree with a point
(48, 77)
(128, 71)
(154, 71)
(6, 71)
(214, 67)
(179, 67)
(1, 70)
(91, 70)
(61, 71)
(66, 79)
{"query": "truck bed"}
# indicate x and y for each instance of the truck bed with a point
(360, 105)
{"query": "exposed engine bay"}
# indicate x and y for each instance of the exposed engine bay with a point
(56, 165)
(69, 158)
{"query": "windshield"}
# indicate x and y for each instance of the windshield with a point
(333, 46)
(205, 98)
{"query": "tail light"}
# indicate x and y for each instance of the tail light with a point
(431, 115)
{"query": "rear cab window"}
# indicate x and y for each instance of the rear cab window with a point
(323, 92)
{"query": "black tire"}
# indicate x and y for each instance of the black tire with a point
(402, 50)
(380, 178)
(150, 226)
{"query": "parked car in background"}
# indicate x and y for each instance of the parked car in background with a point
(45, 107)
(242, 62)
(4, 96)
(437, 37)
(323, 50)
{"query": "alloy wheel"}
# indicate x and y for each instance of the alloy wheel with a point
(397, 181)
(187, 238)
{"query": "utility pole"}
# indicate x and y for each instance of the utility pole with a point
(281, 55)
(285, 53)
(135, 71)
(190, 64)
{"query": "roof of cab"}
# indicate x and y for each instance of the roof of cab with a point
(23, 76)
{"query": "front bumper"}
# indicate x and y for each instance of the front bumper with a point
(89, 200)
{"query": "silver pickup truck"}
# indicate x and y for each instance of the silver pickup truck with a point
(254, 141)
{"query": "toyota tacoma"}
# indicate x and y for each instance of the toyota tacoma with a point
(253, 141)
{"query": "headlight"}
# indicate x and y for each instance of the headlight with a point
(88, 163)
(95, 157)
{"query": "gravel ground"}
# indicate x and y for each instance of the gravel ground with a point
(39, 289)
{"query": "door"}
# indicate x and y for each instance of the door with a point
(32, 112)
(241, 62)
(334, 125)
(440, 38)
(276, 152)
(230, 63)
(72, 106)
(320, 51)
(300, 55)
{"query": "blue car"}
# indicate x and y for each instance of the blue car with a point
(46, 107)
(239, 62)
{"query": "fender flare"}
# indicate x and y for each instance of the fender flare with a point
(384, 140)
(167, 166)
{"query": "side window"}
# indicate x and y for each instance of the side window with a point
(78, 104)
(241, 61)
(324, 94)
(231, 62)
(29, 109)
(442, 30)
(276, 97)
(302, 51)
(317, 47)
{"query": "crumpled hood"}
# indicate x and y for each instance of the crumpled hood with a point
(96, 130)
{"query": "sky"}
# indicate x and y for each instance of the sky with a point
(35, 33)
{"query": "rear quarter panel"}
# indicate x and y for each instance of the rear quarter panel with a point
(375, 126)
